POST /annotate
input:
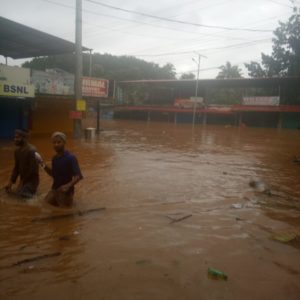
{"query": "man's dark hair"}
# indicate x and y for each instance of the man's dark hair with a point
(22, 132)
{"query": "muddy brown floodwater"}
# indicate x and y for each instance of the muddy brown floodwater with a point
(177, 202)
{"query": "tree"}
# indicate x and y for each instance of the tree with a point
(106, 66)
(226, 95)
(189, 75)
(229, 71)
(285, 57)
(256, 70)
(168, 71)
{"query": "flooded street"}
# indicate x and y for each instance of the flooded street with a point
(177, 202)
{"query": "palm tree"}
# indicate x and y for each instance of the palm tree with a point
(229, 71)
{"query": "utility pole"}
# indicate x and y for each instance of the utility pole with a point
(90, 68)
(197, 80)
(78, 73)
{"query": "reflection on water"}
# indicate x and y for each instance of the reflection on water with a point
(143, 173)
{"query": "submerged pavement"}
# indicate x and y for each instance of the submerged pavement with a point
(177, 202)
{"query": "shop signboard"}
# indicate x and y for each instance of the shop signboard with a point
(219, 108)
(53, 82)
(81, 105)
(74, 114)
(264, 100)
(15, 82)
(10, 89)
(94, 87)
(198, 100)
(189, 102)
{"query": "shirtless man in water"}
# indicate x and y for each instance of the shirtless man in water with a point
(26, 167)
(65, 172)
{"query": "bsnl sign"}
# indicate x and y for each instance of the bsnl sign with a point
(16, 90)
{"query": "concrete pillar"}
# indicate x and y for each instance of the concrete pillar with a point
(98, 116)
(204, 119)
(279, 124)
(240, 120)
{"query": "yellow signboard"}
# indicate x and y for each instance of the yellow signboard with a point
(16, 90)
(81, 105)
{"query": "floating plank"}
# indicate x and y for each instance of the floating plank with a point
(174, 220)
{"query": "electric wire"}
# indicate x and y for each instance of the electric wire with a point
(176, 21)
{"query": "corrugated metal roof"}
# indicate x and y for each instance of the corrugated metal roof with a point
(20, 41)
(232, 82)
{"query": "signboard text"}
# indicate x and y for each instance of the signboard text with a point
(274, 100)
(16, 90)
(94, 87)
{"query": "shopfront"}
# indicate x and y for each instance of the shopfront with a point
(16, 99)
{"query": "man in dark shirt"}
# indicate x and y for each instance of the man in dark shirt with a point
(65, 172)
(26, 167)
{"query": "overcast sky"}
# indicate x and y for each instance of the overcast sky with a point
(108, 30)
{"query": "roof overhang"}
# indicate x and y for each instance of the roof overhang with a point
(19, 41)
(239, 82)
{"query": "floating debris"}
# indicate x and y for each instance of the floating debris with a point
(285, 237)
(216, 274)
(260, 186)
(178, 219)
(237, 205)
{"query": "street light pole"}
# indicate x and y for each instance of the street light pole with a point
(90, 67)
(78, 64)
(197, 82)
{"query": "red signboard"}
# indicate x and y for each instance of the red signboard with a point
(94, 87)
(75, 114)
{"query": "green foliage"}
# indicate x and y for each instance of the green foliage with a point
(63, 61)
(255, 70)
(229, 71)
(106, 66)
(285, 57)
(225, 96)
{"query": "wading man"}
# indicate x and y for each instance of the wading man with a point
(65, 172)
(26, 167)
